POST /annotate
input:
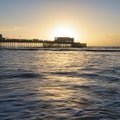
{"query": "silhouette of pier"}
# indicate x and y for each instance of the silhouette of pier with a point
(59, 42)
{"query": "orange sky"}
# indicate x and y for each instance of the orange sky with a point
(96, 22)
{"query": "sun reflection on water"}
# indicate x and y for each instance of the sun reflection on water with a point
(59, 86)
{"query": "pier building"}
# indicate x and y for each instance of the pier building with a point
(64, 40)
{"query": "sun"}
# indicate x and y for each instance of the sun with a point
(64, 31)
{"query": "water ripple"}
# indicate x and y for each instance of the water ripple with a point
(59, 85)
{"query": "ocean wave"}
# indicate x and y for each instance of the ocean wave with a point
(21, 75)
(59, 85)
(89, 49)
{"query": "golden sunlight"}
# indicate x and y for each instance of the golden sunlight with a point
(65, 31)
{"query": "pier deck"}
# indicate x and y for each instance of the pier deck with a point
(37, 44)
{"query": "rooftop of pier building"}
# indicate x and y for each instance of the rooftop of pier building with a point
(64, 40)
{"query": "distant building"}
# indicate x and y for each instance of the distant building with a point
(1, 37)
(64, 40)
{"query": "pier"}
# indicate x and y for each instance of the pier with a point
(59, 42)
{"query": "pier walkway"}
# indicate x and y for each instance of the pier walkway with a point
(37, 44)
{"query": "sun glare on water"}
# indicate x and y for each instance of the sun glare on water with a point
(65, 31)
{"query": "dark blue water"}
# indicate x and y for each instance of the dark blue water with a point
(62, 84)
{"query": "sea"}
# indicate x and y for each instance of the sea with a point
(60, 84)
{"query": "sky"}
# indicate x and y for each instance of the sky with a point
(96, 22)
